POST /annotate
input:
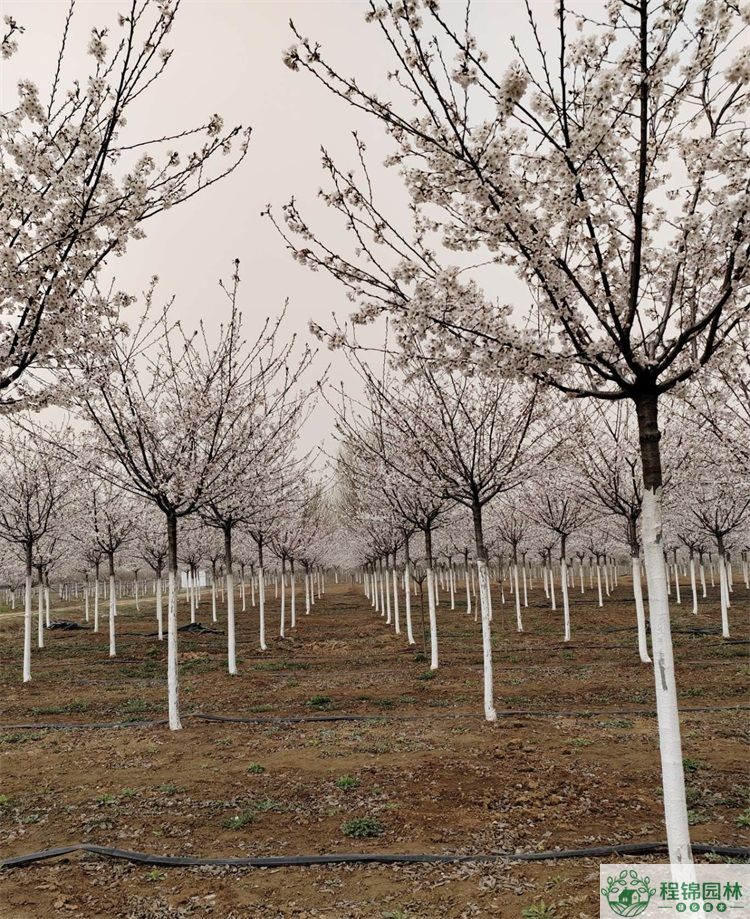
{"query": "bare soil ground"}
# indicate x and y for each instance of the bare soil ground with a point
(572, 761)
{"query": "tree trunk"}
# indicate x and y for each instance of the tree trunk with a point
(407, 592)
(394, 578)
(564, 586)
(112, 605)
(723, 589)
(292, 595)
(261, 597)
(159, 615)
(173, 686)
(640, 612)
(27, 613)
(693, 585)
(484, 604)
(467, 583)
(670, 745)
(517, 595)
(431, 605)
(231, 636)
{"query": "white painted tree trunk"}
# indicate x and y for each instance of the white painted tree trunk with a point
(693, 585)
(262, 607)
(724, 596)
(396, 622)
(387, 590)
(191, 594)
(599, 582)
(407, 604)
(39, 618)
(231, 626)
(670, 745)
(484, 603)
(213, 601)
(112, 614)
(159, 614)
(96, 605)
(678, 596)
(566, 600)
(293, 598)
(27, 625)
(519, 620)
(433, 619)
(173, 687)
(640, 612)
(551, 583)
(468, 589)
(282, 617)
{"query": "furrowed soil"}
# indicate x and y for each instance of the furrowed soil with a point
(571, 762)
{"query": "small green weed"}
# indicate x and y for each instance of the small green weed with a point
(347, 782)
(362, 828)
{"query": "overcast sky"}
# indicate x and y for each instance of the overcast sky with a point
(228, 59)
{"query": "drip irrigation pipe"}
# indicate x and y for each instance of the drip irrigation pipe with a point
(366, 858)
(304, 719)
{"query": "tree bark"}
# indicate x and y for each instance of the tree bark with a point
(173, 686)
(431, 605)
(484, 604)
(231, 635)
(27, 613)
(670, 745)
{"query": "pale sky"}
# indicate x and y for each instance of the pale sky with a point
(228, 59)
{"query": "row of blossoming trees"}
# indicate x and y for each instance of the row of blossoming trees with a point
(613, 182)
(175, 425)
(609, 169)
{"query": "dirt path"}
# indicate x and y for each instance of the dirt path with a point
(423, 772)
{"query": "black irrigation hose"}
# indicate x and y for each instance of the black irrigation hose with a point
(305, 719)
(365, 858)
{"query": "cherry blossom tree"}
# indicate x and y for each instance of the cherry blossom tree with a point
(168, 411)
(77, 187)
(153, 548)
(614, 184)
(33, 483)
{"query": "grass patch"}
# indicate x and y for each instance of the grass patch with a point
(239, 820)
(539, 911)
(320, 703)
(362, 828)
(135, 706)
(347, 782)
(18, 737)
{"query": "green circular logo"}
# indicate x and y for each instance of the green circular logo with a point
(628, 894)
